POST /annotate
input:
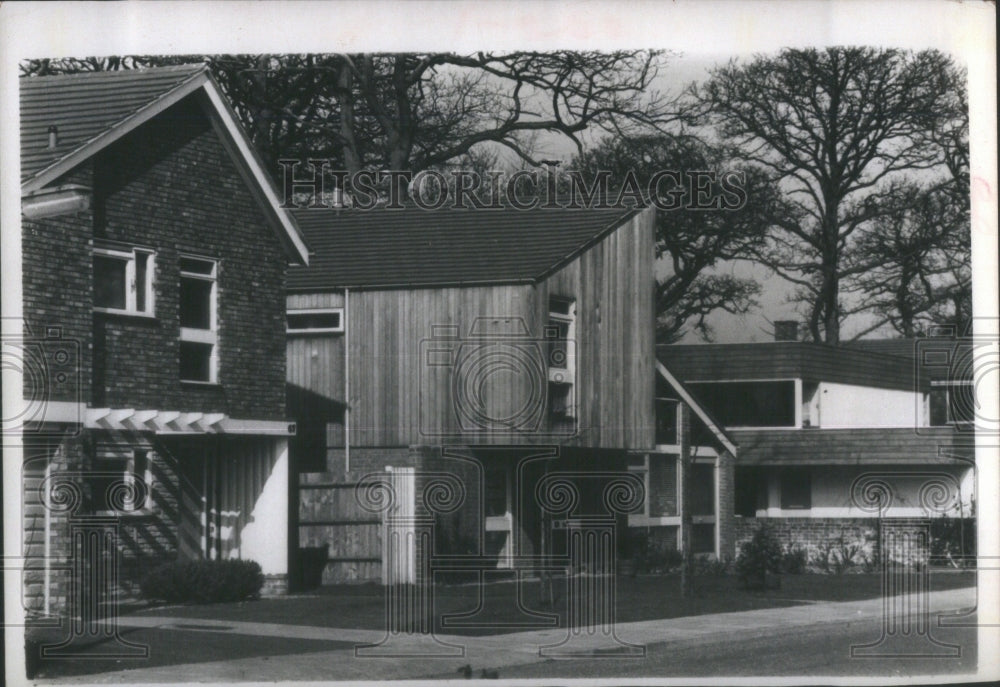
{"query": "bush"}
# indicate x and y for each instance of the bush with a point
(203, 581)
(839, 556)
(712, 567)
(651, 556)
(794, 560)
(758, 558)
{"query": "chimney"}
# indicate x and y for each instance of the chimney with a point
(53, 136)
(786, 330)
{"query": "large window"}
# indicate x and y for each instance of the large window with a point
(123, 280)
(199, 318)
(748, 404)
(109, 472)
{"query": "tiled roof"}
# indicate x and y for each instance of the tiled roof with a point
(85, 105)
(789, 360)
(412, 247)
(870, 446)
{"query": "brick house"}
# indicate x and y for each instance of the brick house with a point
(503, 348)
(154, 261)
(833, 440)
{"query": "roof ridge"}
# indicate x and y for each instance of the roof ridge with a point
(187, 66)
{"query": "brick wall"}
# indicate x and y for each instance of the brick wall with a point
(172, 186)
(815, 535)
(727, 505)
(57, 292)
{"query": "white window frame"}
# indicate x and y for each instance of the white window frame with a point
(315, 330)
(129, 257)
(566, 375)
(208, 336)
(948, 385)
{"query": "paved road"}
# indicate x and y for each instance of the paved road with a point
(819, 650)
(812, 639)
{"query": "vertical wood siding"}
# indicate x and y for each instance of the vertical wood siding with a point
(397, 399)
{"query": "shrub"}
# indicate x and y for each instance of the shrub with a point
(651, 556)
(838, 556)
(712, 567)
(794, 560)
(759, 557)
(203, 581)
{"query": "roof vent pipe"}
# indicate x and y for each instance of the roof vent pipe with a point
(786, 330)
(53, 136)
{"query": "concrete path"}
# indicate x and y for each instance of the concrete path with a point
(407, 657)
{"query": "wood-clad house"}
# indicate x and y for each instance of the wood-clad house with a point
(495, 345)
(154, 257)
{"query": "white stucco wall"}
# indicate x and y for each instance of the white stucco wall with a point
(265, 536)
(846, 405)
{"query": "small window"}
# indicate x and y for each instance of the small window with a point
(953, 403)
(667, 419)
(199, 320)
(560, 349)
(123, 281)
(315, 321)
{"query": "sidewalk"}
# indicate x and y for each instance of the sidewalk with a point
(405, 657)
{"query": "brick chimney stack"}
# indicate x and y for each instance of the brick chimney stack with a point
(786, 330)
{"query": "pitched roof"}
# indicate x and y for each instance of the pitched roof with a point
(91, 110)
(790, 360)
(411, 247)
(83, 106)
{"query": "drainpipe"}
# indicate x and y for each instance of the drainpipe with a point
(48, 530)
(347, 381)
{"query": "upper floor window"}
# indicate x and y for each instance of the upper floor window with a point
(748, 404)
(199, 320)
(315, 321)
(123, 280)
(560, 333)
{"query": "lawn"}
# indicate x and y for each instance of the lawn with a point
(362, 606)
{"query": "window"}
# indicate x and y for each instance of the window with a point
(750, 491)
(199, 360)
(123, 280)
(796, 489)
(109, 472)
(667, 419)
(748, 404)
(559, 336)
(315, 321)
(952, 403)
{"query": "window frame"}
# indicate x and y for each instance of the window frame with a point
(562, 376)
(196, 335)
(949, 390)
(314, 330)
(130, 257)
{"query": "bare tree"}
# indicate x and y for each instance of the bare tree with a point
(411, 112)
(697, 227)
(838, 129)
